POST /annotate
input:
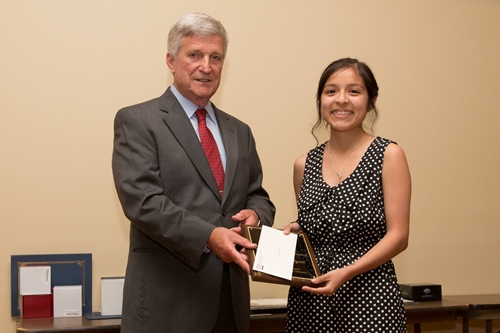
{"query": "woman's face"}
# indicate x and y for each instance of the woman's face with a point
(344, 100)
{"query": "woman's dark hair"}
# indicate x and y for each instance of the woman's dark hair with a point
(363, 71)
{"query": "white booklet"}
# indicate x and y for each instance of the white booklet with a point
(275, 253)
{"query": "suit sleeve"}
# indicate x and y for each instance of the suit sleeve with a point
(257, 198)
(135, 165)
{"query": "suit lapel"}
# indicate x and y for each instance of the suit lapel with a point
(230, 139)
(180, 126)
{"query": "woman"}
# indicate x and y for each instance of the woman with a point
(353, 194)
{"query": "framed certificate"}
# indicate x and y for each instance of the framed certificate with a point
(66, 270)
(304, 268)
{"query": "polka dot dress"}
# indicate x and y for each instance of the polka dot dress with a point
(343, 222)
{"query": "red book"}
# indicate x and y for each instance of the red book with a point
(37, 306)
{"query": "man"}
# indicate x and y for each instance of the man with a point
(184, 273)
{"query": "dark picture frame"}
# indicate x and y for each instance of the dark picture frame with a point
(305, 266)
(66, 270)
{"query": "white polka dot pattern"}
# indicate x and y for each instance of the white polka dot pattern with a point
(343, 222)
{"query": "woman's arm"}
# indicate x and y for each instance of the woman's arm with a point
(298, 175)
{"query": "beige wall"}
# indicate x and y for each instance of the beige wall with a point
(66, 67)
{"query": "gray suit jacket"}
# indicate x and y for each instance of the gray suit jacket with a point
(169, 194)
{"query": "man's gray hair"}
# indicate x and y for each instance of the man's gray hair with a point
(191, 25)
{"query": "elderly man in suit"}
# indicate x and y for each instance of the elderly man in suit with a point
(184, 273)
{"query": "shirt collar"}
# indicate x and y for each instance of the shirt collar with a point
(189, 107)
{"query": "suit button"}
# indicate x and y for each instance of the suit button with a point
(224, 213)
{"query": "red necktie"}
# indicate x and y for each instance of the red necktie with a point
(210, 148)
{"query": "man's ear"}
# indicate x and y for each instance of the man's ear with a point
(170, 62)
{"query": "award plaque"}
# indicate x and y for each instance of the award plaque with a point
(304, 268)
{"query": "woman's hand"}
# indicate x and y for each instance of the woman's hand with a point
(292, 227)
(328, 283)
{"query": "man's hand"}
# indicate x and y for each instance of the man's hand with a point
(223, 243)
(246, 217)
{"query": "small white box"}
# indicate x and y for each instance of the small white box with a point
(67, 301)
(112, 296)
(34, 280)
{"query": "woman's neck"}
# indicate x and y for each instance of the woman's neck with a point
(342, 142)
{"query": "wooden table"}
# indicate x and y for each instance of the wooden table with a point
(70, 324)
(480, 307)
(433, 311)
(268, 315)
(268, 318)
(272, 319)
(259, 323)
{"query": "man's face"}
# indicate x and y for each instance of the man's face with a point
(197, 68)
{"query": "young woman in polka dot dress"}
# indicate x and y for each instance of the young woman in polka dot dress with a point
(353, 194)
